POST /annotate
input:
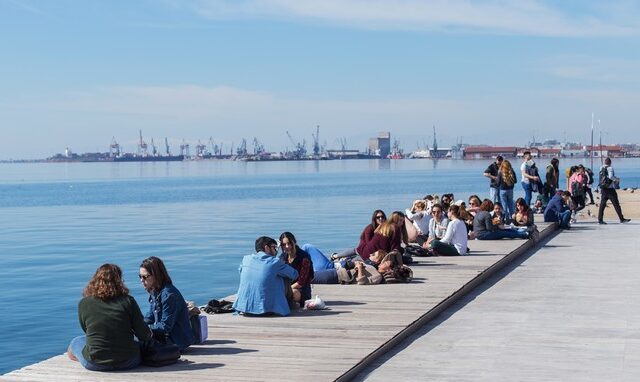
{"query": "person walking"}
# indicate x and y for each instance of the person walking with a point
(608, 184)
(492, 173)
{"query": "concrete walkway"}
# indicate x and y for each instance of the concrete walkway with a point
(569, 312)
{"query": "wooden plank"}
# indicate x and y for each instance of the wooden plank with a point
(362, 323)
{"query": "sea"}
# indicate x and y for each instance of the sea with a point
(61, 221)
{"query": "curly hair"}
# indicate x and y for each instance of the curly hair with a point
(508, 176)
(106, 283)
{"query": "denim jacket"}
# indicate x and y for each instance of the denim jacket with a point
(168, 313)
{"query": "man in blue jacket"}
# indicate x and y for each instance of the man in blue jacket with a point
(262, 281)
(557, 210)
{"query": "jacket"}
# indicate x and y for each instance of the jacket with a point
(168, 314)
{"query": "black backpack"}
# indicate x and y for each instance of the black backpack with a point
(605, 181)
(589, 175)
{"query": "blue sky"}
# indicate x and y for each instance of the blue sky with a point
(76, 73)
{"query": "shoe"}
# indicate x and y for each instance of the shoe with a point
(625, 220)
(573, 220)
(602, 222)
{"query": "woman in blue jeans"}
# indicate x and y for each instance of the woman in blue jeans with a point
(110, 318)
(505, 180)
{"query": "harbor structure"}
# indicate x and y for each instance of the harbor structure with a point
(380, 145)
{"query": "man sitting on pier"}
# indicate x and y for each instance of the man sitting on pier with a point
(557, 210)
(262, 281)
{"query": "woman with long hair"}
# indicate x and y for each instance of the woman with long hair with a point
(168, 316)
(110, 318)
(505, 180)
(301, 261)
(524, 214)
(387, 237)
(378, 217)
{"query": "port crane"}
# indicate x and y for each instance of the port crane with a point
(300, 148)
(114, 148)
(142, 146)
(258, 148)
(201, 150)
(154, 149)
(166, 146)
(242, 149)
(316, 142)
(184, 148)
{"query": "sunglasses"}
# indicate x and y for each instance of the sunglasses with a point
(144, 277)
(380, 217)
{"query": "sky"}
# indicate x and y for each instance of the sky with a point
(501, 72)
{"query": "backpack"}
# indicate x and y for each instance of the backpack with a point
(605, 181)
(577, 189)
(589, 176)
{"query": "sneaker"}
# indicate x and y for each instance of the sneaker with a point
(602, 222)
(573, 220)
(625, 220)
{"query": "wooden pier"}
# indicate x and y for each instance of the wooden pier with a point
(362, 323)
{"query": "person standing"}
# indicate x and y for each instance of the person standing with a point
(552, 177)
(506, 180)
(262, 281)
(529, 179)
(492, 173)
(608, 184)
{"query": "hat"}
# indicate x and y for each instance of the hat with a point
(459, 202)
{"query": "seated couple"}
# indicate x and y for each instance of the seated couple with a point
(110, 318)
(270, 285)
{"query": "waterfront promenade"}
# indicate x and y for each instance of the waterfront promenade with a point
(362, 323)
(569, 312)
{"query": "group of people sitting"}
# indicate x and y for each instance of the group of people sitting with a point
(272, 284)
(110, 317)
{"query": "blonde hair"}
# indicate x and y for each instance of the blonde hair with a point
(420, 204)
(508, 176)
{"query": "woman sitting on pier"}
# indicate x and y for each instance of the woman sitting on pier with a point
(301, 261)
(454, 241)
(110, 318)
(524, 215)
(168, 316)
(387, 237)
(485, 229)
(377, 218)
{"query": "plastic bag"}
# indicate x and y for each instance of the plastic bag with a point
(315, 304)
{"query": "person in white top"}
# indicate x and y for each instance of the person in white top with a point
(528, 180)
(420, 217)
(454, 241)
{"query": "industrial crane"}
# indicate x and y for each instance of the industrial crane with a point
(114, 148)
(300, 148)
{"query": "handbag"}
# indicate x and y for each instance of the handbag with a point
(155, 353)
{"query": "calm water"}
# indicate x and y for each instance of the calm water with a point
(59, 222)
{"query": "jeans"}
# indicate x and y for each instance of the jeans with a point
(503, 234)
(528, 190)
(325, 276)
(564, 218)
(444, 249)
(494, 194)
(78, 343)
(508, 205)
